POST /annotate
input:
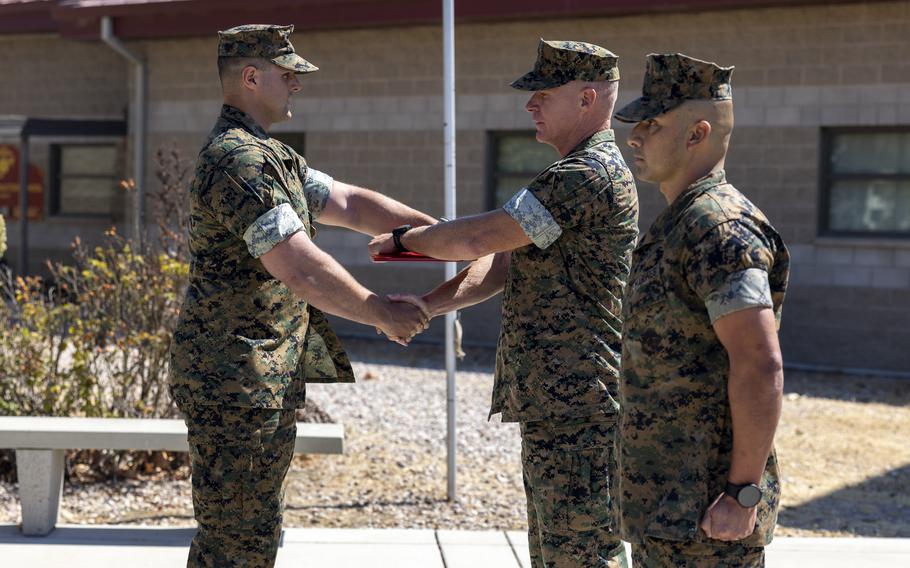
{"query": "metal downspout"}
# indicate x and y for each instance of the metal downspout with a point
(140, 121)
(23, 201)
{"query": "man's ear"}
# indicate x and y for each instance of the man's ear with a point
(249, 76)
(588, 96)
(698, 133)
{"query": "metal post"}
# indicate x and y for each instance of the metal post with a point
(139, 150)
(448, 34)
(23, 204)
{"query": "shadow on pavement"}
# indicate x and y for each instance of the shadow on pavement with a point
(878, 507)
(850, 388)
(430, 355)
(365, 504)
(107, 536)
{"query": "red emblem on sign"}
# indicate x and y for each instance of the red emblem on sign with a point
(9, 185)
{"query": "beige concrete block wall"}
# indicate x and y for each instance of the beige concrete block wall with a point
(373, 116)
(49, 77)
(45, 76)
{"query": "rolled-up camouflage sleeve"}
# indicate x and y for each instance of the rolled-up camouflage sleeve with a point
(317, 188)
(244, 193)
(745, 289)
(535, 220)
(728, 270)
(271, 228)
(572, 191)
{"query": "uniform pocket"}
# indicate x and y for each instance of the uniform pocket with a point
(548, 473)
(589, 492)
(222, 448)
(237, 490)
(570, 488)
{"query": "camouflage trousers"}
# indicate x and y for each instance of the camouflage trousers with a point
(239, 458)
(566, 467)
(660, 553)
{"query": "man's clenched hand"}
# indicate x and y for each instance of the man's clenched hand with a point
(727, 520)
(382, 244)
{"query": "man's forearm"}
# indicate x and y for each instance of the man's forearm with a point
(754, 387)
(754, 391)
(332, 289)
(483, 279)
(446, 241)
(373, 213)
(467, 238)
(316, 277)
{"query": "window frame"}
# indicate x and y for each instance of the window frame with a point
(292, 134)
(55, 185)
(492, 156)
(827, 179)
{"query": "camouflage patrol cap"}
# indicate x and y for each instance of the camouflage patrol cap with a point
(559, 62)
(672, 79)
(266, 41)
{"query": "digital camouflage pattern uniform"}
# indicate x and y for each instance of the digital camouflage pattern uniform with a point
(710, 253)
(245, 345)
(558, 358)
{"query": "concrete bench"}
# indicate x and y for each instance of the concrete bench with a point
(40, 442)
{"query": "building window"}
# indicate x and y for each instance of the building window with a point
(515, 158)
(85, 180)
(866, 182)
(296, 140)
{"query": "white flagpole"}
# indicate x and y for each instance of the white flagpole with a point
(448, 40)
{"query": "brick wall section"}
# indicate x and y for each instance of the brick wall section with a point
(847, 326)
(373, 116)
(183, 70)
(777, 168)
(49, 77)
(820, 45)
(405, 165)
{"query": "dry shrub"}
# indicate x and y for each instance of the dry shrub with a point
(93, 339)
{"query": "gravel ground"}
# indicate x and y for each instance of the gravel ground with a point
(842, 443)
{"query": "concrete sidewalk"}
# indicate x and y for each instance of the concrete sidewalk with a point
(98, 546)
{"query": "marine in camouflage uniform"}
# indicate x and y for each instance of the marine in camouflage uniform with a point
(709, 254)
(246, 345)
(559, 349)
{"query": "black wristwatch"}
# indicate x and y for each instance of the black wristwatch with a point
(747, 495)
(396, 237)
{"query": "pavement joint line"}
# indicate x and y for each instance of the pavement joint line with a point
(93, 545)
(442, 553)
(512, 546)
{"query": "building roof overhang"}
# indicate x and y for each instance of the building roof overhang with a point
(14, 127)
(149, 19)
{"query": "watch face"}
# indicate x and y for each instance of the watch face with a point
(749, 496)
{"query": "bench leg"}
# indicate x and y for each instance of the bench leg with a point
(40, 487)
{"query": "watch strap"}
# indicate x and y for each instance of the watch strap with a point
(746, 499)
(396, 237)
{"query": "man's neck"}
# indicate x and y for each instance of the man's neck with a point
(581, 136)
(677, 185)
(258, 117)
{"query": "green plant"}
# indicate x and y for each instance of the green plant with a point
(93, 338)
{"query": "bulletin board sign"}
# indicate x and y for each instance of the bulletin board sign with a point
(9, 185)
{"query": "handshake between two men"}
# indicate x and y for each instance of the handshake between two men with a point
(488, 237)
(410, 313)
